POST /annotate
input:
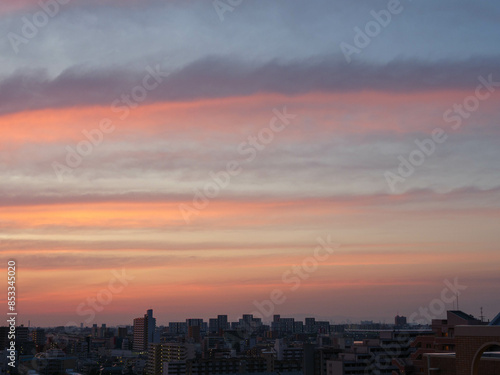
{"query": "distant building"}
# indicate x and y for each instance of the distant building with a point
(144, 331)
(4, 339)
(298, 327)
(22, 334)
(283, 325)
(177, 328)
(102, 331)
(373, 356)
(38, 336)
(222, 322)
(169, 357)
(122, 332)
(310, 326)
(477, 352)
(442, 341)
(213, 325)
(140, 335)
(400, 320)
(194, 333)
(53, 362)
(202, 326)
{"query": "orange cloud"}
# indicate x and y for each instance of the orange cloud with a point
(347, 113)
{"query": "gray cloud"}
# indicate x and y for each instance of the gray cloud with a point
(223, 77)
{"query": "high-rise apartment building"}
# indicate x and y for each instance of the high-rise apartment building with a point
(165, 356)
(144, 330)
(222, 322)
(400, 320)
(38, 336)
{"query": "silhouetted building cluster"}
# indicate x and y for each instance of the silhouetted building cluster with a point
(458, 345)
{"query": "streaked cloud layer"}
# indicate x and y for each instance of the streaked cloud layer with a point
(181, 94)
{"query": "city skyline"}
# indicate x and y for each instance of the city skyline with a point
(201, 157)
(454, 345)
(415, 318)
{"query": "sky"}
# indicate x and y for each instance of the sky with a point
(329, 159)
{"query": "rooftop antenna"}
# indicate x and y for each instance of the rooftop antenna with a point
(482, 316)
